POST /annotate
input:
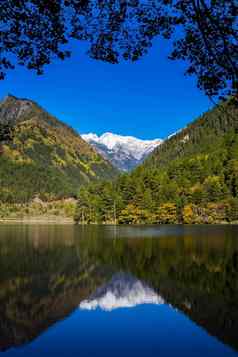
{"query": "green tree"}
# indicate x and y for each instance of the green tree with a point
(214, 188)
(232, 210)
(84, 207)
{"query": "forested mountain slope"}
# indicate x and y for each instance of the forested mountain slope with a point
(190, 178)
(46, 157)
(199, 136)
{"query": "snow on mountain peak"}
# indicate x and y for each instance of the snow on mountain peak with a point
(90, 136)
(125, 152)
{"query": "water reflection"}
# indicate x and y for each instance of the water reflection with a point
(123, 290)
(49, 272)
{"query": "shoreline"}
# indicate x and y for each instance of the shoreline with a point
(34, 220)
(70, 221)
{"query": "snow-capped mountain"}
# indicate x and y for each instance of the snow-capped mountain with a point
(124, 152)
(123, 290)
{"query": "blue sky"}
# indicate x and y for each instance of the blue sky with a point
(149, 99)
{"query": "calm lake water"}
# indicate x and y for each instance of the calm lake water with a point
(118, 291)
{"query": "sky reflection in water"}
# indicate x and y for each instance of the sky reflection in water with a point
(71, 291)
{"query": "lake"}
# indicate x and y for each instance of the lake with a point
(118, 290)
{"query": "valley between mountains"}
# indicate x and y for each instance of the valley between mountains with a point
(49, 172)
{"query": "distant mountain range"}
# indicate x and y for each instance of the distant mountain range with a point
(46, 158)
(124, 152)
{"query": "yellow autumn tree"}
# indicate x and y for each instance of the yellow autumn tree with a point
(167, 213)
(216, 212)
(189, 214)
(132, 214)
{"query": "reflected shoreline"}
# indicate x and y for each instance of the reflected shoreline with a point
(48, 272)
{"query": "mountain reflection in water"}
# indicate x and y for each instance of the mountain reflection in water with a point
(48, 273)
(123, 290)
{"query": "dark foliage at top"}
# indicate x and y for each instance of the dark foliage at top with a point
(32, 32)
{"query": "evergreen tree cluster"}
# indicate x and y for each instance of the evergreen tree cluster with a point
(191, 178)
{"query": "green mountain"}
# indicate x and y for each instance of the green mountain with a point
(191, 178)
(203, 136)
(46, 158)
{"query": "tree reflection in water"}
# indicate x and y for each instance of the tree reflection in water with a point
(46, 272)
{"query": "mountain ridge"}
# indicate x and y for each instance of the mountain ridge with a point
(124, 152)
(47, 156)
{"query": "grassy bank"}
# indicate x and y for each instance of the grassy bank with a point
(37, 211)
